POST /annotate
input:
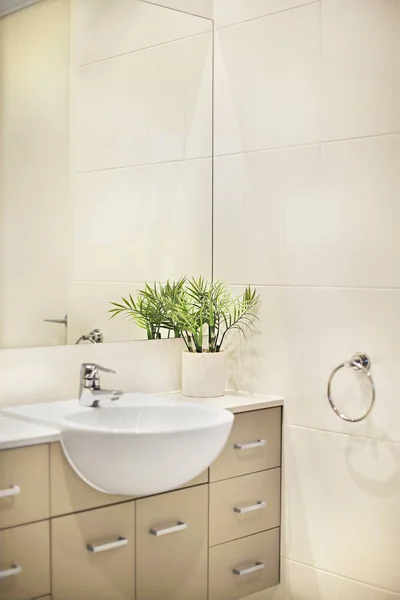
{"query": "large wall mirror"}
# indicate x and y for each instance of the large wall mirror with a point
(105, 160)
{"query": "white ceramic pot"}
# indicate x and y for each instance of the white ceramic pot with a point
(203, 374)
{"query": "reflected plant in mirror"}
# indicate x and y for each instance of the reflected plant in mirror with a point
(152, 309)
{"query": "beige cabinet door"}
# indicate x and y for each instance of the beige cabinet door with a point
(93, 554)
(24, 485)
(69, 493)
(25, 561)
(244, 567)
(244, 505)
(171, 545)
(253, 445)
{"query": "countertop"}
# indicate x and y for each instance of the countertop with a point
(15, 433)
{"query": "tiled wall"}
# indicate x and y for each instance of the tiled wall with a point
(307, 184)
(141, 153)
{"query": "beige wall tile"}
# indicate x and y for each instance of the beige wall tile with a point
(267, 82)
(358, 67)
(106, 28)
(228, 12)
(342, 505)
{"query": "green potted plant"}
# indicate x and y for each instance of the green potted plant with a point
(200, 312)
(204, 313)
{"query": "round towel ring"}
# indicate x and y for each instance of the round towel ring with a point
(359, 362)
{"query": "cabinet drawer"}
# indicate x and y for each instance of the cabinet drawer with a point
(253, 445)
(25, 549)
(24, 485)
(93, 554)
(244, 567)
(244, 505)
(171, 545)
(69, 493)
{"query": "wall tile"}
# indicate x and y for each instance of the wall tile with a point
(267, 92)
(89, 304)
(228, 12)
(170, 119)
(343, 505)
(48, 374)
(203, 8)
(358, 67)
(107, 28)
(152, 223)
(291, 235)
(360, 187)
(269, 201)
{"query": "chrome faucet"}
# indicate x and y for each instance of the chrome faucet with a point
(90, 392)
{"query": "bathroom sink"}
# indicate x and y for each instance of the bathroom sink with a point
(138, 446)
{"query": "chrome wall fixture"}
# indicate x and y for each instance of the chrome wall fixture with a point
(94, 337)
(359, 362)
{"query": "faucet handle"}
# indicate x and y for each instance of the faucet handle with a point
(91, 370)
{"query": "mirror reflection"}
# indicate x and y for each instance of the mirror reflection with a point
(105, 162)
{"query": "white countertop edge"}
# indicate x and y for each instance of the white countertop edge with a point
(17, 433)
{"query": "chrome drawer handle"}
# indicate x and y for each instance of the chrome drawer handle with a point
(11, 491)
(14, 570)
(250, 445)
(121, 541)
(257, 567)
(180, 526)
(260, 504)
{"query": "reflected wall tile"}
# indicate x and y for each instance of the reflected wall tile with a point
(203, 8)
(152, 223)
(170, 119)
(107, 28)
(89, 304)
(267, 92)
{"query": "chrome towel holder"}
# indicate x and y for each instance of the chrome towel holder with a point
(359, 362)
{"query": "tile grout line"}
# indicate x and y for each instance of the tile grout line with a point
(107, 58)
(309, 144)
(143, 165)
(278, 12)
(343, 433)
(374, 587)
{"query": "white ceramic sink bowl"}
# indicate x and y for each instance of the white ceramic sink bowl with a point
(140, 445)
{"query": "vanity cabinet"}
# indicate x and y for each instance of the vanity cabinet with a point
(93, 554)
(172, 545)
(24, 485)
(216, 538)
(25, 561)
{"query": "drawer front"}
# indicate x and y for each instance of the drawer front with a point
(25, 562)
(93, 554)
(244, 505)
(69, 493)
(24, 485)
(244, 567)
(253, 445)
(171, 544)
